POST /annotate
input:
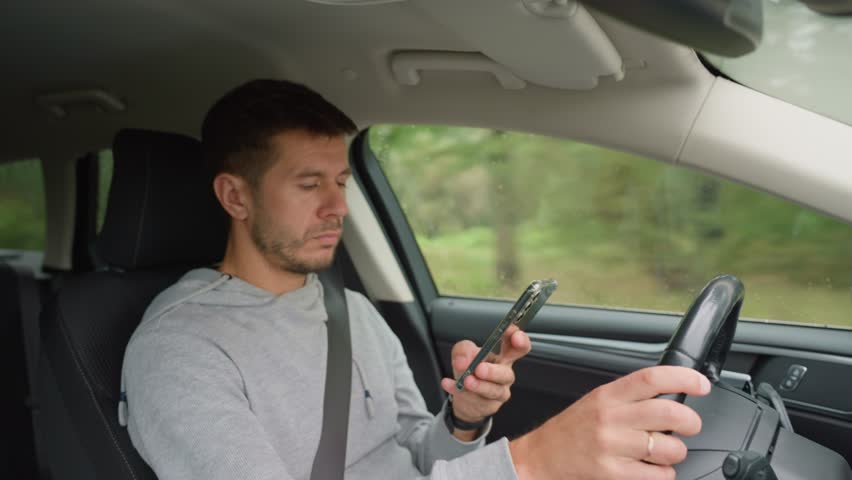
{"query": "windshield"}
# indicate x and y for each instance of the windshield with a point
(805, 59)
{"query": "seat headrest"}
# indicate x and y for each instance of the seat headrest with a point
(161, 209)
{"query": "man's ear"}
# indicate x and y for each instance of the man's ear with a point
(233, 194)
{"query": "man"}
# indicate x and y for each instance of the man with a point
(224, 376)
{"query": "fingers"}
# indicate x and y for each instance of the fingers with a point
(650, 382)
(475, 386)
(495, 373)
(642, 471)
(488, 379)
(616, 431)
(449, 386)
(462, 354)
(626, 467)
(652, 447)
(488, 388)
(472, 405)
(465, 348)
(516, 344)
(659, 415)
(665, 449)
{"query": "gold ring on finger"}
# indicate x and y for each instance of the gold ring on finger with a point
(650, 445)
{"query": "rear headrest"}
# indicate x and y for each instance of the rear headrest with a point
(161, 209)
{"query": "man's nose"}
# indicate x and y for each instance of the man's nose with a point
(334, 202)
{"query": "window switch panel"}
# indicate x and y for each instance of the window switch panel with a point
(793, 377)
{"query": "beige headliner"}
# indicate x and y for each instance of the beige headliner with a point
(169, 59)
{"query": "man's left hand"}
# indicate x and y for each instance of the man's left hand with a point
(488, 388)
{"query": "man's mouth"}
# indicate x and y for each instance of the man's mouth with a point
(330, 236)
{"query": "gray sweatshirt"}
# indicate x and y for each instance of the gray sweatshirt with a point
(224, 380)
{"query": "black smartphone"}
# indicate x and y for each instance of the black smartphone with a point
(528, 304)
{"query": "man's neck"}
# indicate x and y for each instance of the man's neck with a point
(251, 266)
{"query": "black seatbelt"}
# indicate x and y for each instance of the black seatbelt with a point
(330, 461)
(29, 298)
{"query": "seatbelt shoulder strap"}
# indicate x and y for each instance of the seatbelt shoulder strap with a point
(330, 460)
(29, 298)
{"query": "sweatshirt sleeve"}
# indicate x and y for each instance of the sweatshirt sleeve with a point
(188, 415)
(436, 452)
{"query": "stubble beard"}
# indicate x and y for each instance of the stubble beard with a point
(281, 247)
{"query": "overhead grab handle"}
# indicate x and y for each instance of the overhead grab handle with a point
(406, 66)
(58, 103)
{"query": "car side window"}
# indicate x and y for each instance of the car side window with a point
(22, 206)
(492, 210)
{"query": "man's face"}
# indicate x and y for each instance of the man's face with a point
(300, 202)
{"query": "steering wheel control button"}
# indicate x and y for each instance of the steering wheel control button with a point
(747, 465)
(731, 466)
(793, 377)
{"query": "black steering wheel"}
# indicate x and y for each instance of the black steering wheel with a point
(743, 437)
(706, 332)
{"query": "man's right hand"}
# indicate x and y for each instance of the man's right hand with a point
(615, 431)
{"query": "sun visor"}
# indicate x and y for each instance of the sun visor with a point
(553, 43)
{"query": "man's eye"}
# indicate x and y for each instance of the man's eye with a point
(310, 186)
(341, 184)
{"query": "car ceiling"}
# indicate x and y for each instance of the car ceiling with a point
(168, 60)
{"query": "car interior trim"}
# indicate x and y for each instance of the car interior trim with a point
(371, 254)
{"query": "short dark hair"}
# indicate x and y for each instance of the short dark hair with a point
(236, 131)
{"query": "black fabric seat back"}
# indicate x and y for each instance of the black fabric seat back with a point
(17, 457)
(162, 219)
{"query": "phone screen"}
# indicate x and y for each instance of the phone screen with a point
(524, 309)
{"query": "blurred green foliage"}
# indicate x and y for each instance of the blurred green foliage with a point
(493, 210)
(22, 212)
(22, 202)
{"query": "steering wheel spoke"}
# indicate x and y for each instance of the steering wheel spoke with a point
(706, 332)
